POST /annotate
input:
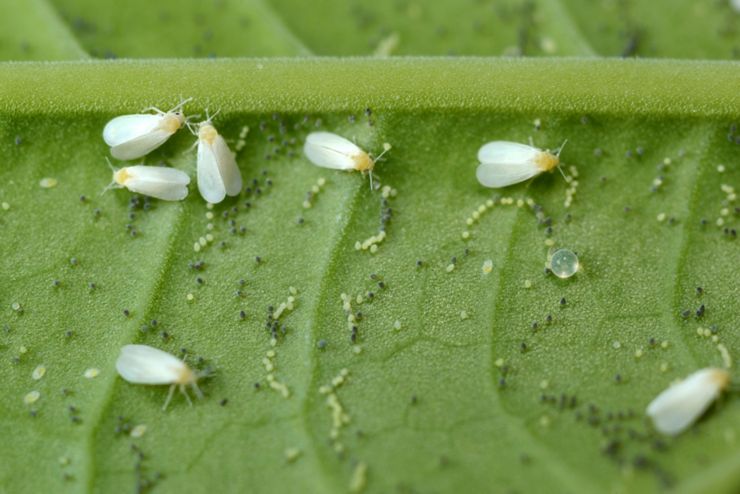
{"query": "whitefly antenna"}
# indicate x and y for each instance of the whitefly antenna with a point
(209, 118)
(182, 103)
(193, 128)
(112, 182)
(386, 147)
(560, 149)
(176, 108)
(189, 123)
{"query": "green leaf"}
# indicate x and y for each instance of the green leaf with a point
(32, 30)
(194, 28)
(179, 29)
(442, 394)
(430, 405)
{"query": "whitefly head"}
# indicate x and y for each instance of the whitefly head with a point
(363, 161)
(121, 176)
(119, 179)
(547, 160)
(174, 119)
(207, 132)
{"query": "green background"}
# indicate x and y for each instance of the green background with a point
(430, 407)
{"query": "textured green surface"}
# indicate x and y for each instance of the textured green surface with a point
(428, 409)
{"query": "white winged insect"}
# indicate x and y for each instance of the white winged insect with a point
(330, 150)
(504, 163)
(679, 406)
(142, 364)
(161, 182)
(218, 173)
(134, 136)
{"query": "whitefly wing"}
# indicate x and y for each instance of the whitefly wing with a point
(128, 127)
(230, 174)
(133, 136)
(330, 150)
(163, 183)
(504, 174)
(504, 163)
(142, 364)
(210, 183)
(506, 152)
(140, 146)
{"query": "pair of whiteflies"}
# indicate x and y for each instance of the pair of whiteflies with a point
(502, 163)
(505, 163)
(672, 411)
(134, 136)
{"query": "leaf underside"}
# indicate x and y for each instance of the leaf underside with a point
(508, 381)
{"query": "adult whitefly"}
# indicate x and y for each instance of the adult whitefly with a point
(681, 404)
(160, 182)
(133, 136)
(142, 364)
(218, 173)
(329, 150)
(504, 163)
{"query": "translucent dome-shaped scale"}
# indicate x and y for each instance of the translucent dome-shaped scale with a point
(563, 263)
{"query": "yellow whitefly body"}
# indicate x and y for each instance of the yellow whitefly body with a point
(207, 133)
(546, 161)
(363, 162)
(172, 122)
(121, 176)
(186, 376)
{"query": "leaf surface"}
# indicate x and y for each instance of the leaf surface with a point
(513, 380)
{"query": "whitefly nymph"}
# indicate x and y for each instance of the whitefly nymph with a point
(329, 150)
(142, 364)
(133, 136)
(679, 406)
(504, 163)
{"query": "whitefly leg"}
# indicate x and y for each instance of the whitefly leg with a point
(185, 393)
(197, 391)
(169, 397)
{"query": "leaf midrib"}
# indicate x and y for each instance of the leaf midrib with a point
(571, 480)
(151, 301)
(339, 244)
(570, 86)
